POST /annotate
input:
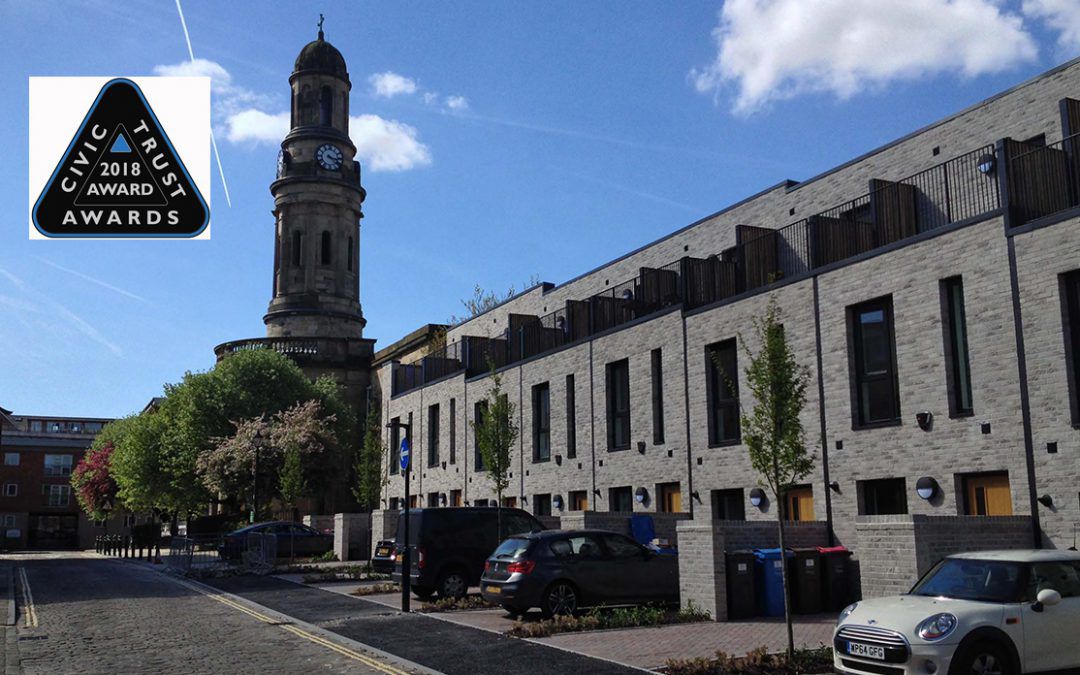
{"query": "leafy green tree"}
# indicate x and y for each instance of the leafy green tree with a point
(291, 479)
(495, 436)
(369, 462)
(773, 431)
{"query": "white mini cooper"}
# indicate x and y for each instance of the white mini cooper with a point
(987, 613)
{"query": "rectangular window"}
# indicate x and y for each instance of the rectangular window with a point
(722, 392)
(35, 425)
(414, 501)
(455, 498)
(11, 459)
(799, 503)
(395, 445)
(883, 497)
(9, 520)
(11, 489)
(872, 349)
(621, 498)
(433, 435)
(571, 419)
(669, 498)
(57, 465)
(618, 405)
(957, 358)
(56, 495)
(432, 499)
(57, 427)
(579, 500)
(93, 427)
(509, 502)
(1070, 314)
(987, 494)
(729, 504)
(478, 422)
(541, 414)
(453, 431)
(542, 505)
(395, 503)
(657, 398)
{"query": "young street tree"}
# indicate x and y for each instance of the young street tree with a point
(495, 436)
(368, 467)
(772, 431)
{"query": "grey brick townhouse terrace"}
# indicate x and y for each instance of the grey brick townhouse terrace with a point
(932, 288)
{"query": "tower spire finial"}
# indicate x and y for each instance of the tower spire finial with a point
(321, 19)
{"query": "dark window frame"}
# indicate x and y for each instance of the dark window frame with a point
(326, 253)
(453, 431)
(957, 351)
(872, 490)
(621, 493)
(571, 418)
(542, 504)
(618, 417)
(728, 497)
(297, 249)
(479, 409)
(714, 404)
(1069, 290)
(657, 373)
(857, 377)
(395, 446)
(541, 422)
(433, 435)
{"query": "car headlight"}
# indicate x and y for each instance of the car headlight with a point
(936, 627)
(847, 612)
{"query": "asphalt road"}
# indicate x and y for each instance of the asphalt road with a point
(93, 615)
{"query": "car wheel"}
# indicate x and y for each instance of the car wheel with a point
(560, 599)
(983, 658)
(423, 593)
(453, 585)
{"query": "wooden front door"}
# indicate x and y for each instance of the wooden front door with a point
(988, 495)
(799, 504)
(670, 498)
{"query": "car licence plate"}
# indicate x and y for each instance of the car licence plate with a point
(493, 589)
(866, 651)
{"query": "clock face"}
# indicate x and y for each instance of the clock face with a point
(329, 157)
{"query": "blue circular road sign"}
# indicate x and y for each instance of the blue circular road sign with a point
(405, 454)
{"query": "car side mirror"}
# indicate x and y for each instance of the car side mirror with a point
(1047, 597)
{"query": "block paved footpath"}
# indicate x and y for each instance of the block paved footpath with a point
(440, 645)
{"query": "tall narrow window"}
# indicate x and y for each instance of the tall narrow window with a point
(722, 392)
(326, 106)
(325, 248)
(297, 249)
(621, 498)
(957, 360)
(350, 263)
(875, 388)
(729, 504)
(479, 410)
(395, 445)
(453, 430)
(433, 435)
(618, 405)
(571, 419)
(541, 414)
(1070, 302)
(657, 398)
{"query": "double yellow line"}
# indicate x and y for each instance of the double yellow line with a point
(344, 651)
(30, 619)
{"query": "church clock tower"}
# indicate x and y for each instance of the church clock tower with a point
(317, 198)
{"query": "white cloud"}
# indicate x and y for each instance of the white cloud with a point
(390, 84)
(227, 97)
(1062, 16)
(457, 103)
(381, 144)
(772, 50)
(387, 145)
(431, 97)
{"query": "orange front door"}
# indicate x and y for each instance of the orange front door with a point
(989, 495)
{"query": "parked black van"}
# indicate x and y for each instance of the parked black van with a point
(450, 545)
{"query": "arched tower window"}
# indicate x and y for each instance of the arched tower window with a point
(326, 106)
(297, 249)
(306, 108)
(325, 248)
(350, 254)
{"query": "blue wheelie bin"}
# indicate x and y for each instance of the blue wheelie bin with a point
(770, 580)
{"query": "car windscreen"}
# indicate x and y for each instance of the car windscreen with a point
(968, 579)
(512, 548)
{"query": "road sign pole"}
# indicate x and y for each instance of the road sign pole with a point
(406, 554)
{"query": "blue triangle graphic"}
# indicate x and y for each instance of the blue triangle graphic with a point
(120, 145)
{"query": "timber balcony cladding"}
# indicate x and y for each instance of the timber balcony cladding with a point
(892, 211)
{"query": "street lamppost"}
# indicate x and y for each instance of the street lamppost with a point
(406, 467)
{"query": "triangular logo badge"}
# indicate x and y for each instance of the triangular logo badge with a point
(121, 176)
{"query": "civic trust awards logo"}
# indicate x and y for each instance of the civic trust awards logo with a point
(121, 176)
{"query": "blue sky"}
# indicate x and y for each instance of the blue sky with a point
(501, 140)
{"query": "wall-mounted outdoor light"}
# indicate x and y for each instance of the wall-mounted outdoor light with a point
(627, 295)
(757, 497)
(466, 502)
(696, 495)
(835, 486)
(556, 501)
(986, 164)
(985, 426)
(1047, 501)
(558, 460)
(597, 493)
(641, 447)
(444, 466)
(641, 495)
(926, 487)
(925, 419)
